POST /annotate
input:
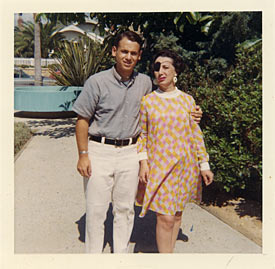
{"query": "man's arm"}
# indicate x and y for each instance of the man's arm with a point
(81, 131)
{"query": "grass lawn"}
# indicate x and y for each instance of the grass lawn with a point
(22, 133)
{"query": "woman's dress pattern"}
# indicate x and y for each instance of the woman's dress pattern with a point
(175, 147)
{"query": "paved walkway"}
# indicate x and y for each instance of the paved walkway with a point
(50, 205)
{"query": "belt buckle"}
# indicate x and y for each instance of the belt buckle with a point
(122, 143)
(116, 143)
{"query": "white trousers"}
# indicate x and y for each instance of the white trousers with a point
(114, 179)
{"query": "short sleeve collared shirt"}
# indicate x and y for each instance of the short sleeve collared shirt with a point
(111, 105)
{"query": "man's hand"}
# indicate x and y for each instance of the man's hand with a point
(207, 176)
(84, 166)
(143, 171)
(197, 114)
(81, 132)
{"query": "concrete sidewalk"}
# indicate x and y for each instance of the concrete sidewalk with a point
(50, 204)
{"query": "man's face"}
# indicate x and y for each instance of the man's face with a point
(126, 54)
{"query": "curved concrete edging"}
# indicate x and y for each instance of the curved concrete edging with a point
(45, 98)
(45, 115)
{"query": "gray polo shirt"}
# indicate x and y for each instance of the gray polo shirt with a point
(111, 106)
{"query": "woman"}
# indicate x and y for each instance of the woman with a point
(171, 151)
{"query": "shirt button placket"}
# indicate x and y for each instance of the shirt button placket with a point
(125, 117)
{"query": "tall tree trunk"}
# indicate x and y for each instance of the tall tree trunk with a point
(37, 53)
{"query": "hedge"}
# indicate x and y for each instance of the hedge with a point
(232, 120)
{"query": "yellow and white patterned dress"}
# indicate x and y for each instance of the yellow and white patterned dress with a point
(174, 146)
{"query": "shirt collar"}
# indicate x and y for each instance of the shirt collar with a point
(170, 94)
(119, 78)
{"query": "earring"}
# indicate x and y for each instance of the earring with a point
(175, 79)
(155, 82)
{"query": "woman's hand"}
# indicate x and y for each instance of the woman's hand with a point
(207, 176)
(143, 171)
(197, 114)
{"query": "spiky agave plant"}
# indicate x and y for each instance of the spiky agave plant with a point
(77, 60)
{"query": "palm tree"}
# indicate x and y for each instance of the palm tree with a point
(49, 41)
(37, 53)
(24, 40)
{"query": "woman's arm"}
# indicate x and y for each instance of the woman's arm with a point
(142, 144)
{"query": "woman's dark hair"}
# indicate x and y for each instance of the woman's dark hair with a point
(177, 60)
(129, 35)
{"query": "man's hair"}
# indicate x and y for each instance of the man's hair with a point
(129, 35)
(177, 60)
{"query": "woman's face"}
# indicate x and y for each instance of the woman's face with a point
(164, 72)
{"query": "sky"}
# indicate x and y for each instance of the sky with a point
(25, 16)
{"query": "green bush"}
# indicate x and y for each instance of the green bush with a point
(232, 121)
(78, 60)
(22, 134)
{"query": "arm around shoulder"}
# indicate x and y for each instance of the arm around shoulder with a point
(196, 111)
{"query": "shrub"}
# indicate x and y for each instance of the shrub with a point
(232, 122)
(78, 60)
(22, 134)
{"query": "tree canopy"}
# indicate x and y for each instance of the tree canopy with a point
(24, 39)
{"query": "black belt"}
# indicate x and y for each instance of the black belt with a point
(115, 142)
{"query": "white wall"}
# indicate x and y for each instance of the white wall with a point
(30, 61)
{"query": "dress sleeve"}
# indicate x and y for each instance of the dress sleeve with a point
(142, 140)
(203, 156)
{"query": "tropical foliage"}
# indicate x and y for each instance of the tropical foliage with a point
(63, 18)
(78, 60)
(232, 122)
(24, 39)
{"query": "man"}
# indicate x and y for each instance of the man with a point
(106, 133)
